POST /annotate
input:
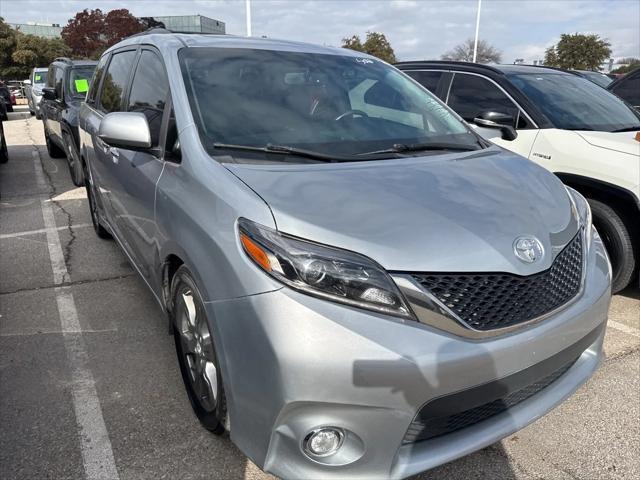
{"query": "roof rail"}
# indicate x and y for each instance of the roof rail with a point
(156, 30)
(450, 62)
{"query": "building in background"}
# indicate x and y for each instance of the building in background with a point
(192, 23)
(46, 30)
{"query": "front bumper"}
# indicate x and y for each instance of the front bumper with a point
(292, 363)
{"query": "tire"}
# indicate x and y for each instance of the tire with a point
(618, 242)
(101, 232)
(4, 154)
(73, 159)
(196, 354)
(53, 150)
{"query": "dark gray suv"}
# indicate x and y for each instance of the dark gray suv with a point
(358, 285)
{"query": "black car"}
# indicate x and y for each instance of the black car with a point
(67, 85)
(5, 93)
(628, 88)
(4, 155)
(599, 78)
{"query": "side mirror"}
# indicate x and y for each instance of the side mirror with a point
(49, 93)
(499, 121)
(128, 130)
(27, 82)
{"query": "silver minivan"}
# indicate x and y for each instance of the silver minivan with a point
(359, 286)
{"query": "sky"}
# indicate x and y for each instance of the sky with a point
(417, 29)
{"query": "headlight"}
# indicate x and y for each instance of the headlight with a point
(584, 211)
(326, 272)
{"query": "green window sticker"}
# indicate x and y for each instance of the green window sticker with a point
(82, 85)
(38, 78)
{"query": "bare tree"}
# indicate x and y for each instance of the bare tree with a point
(487, 53)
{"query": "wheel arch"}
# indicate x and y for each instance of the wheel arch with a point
(613, 195)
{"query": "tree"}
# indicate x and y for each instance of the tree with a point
(376, 44)
(19, 52)
(631, 64)
(578, 52)
(486, 53)
(91, 32)
(7, 47)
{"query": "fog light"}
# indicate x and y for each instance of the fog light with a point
(324, 441)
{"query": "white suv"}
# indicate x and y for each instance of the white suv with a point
(585, 135)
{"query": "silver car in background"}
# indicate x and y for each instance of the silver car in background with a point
(33, 89)
(359, 286)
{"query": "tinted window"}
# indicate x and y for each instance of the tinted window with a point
(115, 81)
(149, 92)
(333, 104)
(575, 103)
(58, 81)
(429, 80)
(629, 89)
(79, 79)
(97, 76)
(470, 95)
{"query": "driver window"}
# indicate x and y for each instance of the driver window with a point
(381, 100)
(149, 92)
(470, 95)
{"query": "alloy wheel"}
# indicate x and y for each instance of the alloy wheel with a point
(197, 351)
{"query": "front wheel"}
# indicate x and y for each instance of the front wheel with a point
(93, 207)
(53, 150)
(75, 164)
(197, 355)
(617, 240)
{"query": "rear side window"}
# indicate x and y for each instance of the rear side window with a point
(115, 81)
(95, 82)
(429, 80)
(149, 92)
(470, 95)
(629, 89)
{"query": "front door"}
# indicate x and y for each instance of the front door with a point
(105, 159)
(138, 172)
(472, 94)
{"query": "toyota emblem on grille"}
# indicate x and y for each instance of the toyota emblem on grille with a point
(528, 249)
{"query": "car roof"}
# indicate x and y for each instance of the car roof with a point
(75, 63)
(162, 38)
(479, 67)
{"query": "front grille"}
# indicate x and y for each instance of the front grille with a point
(424, 428)
(487, 301)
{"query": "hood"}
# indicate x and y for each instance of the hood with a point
(624, 142)
(453, 212)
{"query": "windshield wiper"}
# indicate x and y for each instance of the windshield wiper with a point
(418, 147)
(626, 129)
(281, 149)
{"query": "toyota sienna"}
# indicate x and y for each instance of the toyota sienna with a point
(358, 284)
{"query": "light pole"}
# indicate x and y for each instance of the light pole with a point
(248, 8)
(475, 44)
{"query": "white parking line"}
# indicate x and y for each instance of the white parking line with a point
(624, 328)
(95, 446)
(39, 230)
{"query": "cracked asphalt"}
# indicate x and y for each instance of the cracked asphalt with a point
(131, 366)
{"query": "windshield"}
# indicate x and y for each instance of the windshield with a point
(79, 79)
(329, 104)
(575, 103)
(40, 78)
(597, 78)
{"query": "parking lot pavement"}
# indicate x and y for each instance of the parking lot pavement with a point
(90, 387)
